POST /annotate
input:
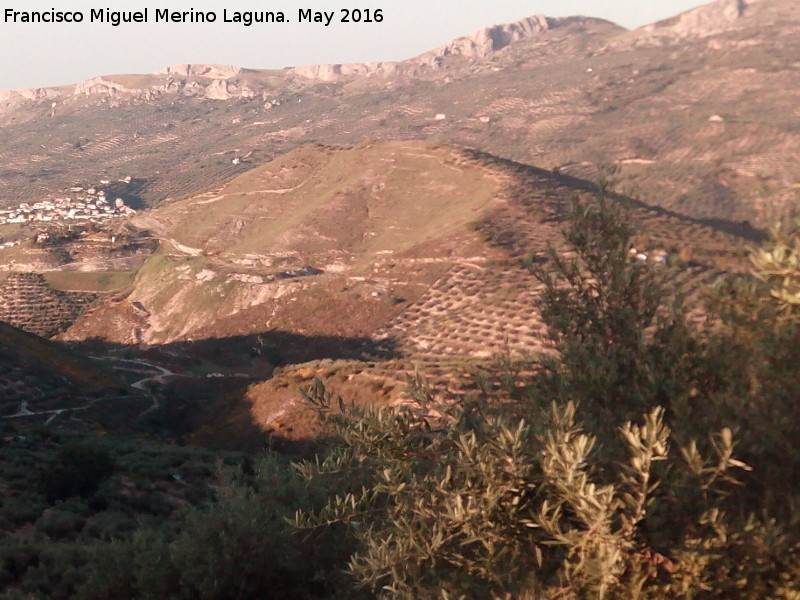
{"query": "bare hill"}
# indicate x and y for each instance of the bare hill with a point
(414, 246)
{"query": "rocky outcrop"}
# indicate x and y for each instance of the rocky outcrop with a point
(221, 86)
(225, 90)
(28, 94)
(334, 72)
(101, 86)
(479, 45)
(203, 70)
(218, 90)
(488, 40)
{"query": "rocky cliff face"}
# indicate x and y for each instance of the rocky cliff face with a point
(701, 22)
(101, 86)
(485, 41)
(478, 45)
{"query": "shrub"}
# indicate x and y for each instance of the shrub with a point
(236, 546)
(57, 524)
(79, 469)
(636, 495)
(22, 509)
(615, 326)
(479, 503)
(16, 557)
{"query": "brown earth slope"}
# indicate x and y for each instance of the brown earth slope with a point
(413, 245)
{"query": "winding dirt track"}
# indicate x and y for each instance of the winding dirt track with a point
(142, 384)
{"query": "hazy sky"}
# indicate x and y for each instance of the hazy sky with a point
(43, 54)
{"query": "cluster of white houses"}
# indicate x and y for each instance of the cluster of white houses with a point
(88, 205)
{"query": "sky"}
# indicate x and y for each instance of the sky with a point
(50, 54)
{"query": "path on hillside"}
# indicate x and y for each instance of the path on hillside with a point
(25, 412)
(252, 193)
(185, 249)
(145, 383)
(142, 384)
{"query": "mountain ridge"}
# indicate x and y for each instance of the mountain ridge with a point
(703, 21)
(702, 122)
(219, 82)
(479, 44)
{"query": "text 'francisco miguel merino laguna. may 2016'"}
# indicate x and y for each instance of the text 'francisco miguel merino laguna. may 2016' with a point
(116, 18)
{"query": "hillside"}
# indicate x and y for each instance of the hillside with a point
(44, 381)
(698, 112)
(407, 248)
(498, 321)
(321, 242)
(27, 301)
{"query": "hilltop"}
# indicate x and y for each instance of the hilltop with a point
(410, 242)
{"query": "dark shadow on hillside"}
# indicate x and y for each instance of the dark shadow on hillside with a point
(203, 403)
(275, 347)
(131, 192)
(741, 229)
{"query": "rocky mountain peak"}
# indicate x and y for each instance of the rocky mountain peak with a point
(478, 45)
(484, 42)
(202, 70)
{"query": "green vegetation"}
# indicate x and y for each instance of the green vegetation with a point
(652, 458)
(78, 469)
(104, 281)
(613, 472)
(68, 499)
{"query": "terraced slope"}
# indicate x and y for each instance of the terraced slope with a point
(27, 301)
(475, 311)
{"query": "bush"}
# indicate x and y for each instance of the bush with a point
(22, 509)
(79, 469)
(58, 524)
(109, 525)
(502, 497)
(237, 546)
(16, 557)
(463, 504)
(622, 339)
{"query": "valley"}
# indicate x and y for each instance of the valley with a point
(220, 221)
(381, 254)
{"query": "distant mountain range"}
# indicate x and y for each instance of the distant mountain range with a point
(698, 113)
